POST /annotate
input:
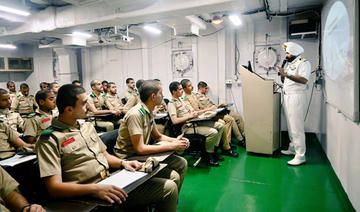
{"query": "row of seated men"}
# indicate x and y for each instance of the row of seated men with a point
(130, 141)
(72, 158)
(194, 105)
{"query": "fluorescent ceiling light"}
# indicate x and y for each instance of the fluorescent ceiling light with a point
(217, 20)
(7, 46)
(82, 34)
(14, 11)
(235, 20)
(152, 29)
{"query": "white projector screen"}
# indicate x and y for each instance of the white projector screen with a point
(340, 56)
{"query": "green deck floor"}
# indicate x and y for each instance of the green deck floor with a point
(259, 183)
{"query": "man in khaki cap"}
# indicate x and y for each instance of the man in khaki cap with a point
(72, 159)
(10, 196)
(10, 141)
(205, 102)
(137, 127)
(191, 99)
(9, 117)
(23, 102)
(41, 119)
(180, 112)
(97, 102)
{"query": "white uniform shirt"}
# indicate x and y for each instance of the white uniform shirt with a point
(299, 67)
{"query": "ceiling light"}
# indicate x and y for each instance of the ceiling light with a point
(82, 35)
(14, 11)
(152, 29)
(216, 20)
(235, 20)
(7, 46)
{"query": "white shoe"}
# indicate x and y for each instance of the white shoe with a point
(287, 152)
(296, 162)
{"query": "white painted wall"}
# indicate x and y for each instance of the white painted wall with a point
(42, 59)
(340, 137)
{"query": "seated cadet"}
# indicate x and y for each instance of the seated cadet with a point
(162, 108)
(44, 86)
(54, 87)
(41, 119)
(104, 84)
(180, 112)
(228, 121)
(12, 90)
(9, 117)
(72, 159)
(96, 103)
(112, 98)
(76, 82)
(132, 94)
(11, 198)
(205, 102)
(136, 128)
(10, 141)
(23, 102)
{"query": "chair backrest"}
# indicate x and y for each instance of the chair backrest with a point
(123, 100)
(109, 139)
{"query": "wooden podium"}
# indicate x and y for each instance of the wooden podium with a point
(261, 113)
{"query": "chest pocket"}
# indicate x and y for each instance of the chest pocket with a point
(71, 147)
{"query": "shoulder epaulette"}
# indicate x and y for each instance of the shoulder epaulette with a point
(186, 98)
(103, 94)
(303, 59)
(142, 111)
(129, 91)
(31, 115)
(92, 95)
(47, 131)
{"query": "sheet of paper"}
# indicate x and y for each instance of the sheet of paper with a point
(159, 156)
(123, 178)
(16, 159)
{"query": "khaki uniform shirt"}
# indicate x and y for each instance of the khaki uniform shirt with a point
(192, 100)
(76, 154)
(7, 137)
(97, 101)
(36, 123)
(179, 108)
(132, 98)
(137, 121)
(24, 104)
(7, 185)
(204, 101)
(12, 119)
(162, 107)
(114, 100)
(12, 95)
(130, 93)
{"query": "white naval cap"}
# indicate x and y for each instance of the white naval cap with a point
(293, 48)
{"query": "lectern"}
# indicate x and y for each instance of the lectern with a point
(261, 113)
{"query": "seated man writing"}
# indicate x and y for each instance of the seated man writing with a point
(137, 127)
(72, 159)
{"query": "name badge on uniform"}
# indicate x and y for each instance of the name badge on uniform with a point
(96, 102)
(45, 120)
(68, 141)
(180, 106)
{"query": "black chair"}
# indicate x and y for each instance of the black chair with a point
(109, 139)
(197, 142)
(123, 100)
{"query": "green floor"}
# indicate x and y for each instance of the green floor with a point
(260, 183)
